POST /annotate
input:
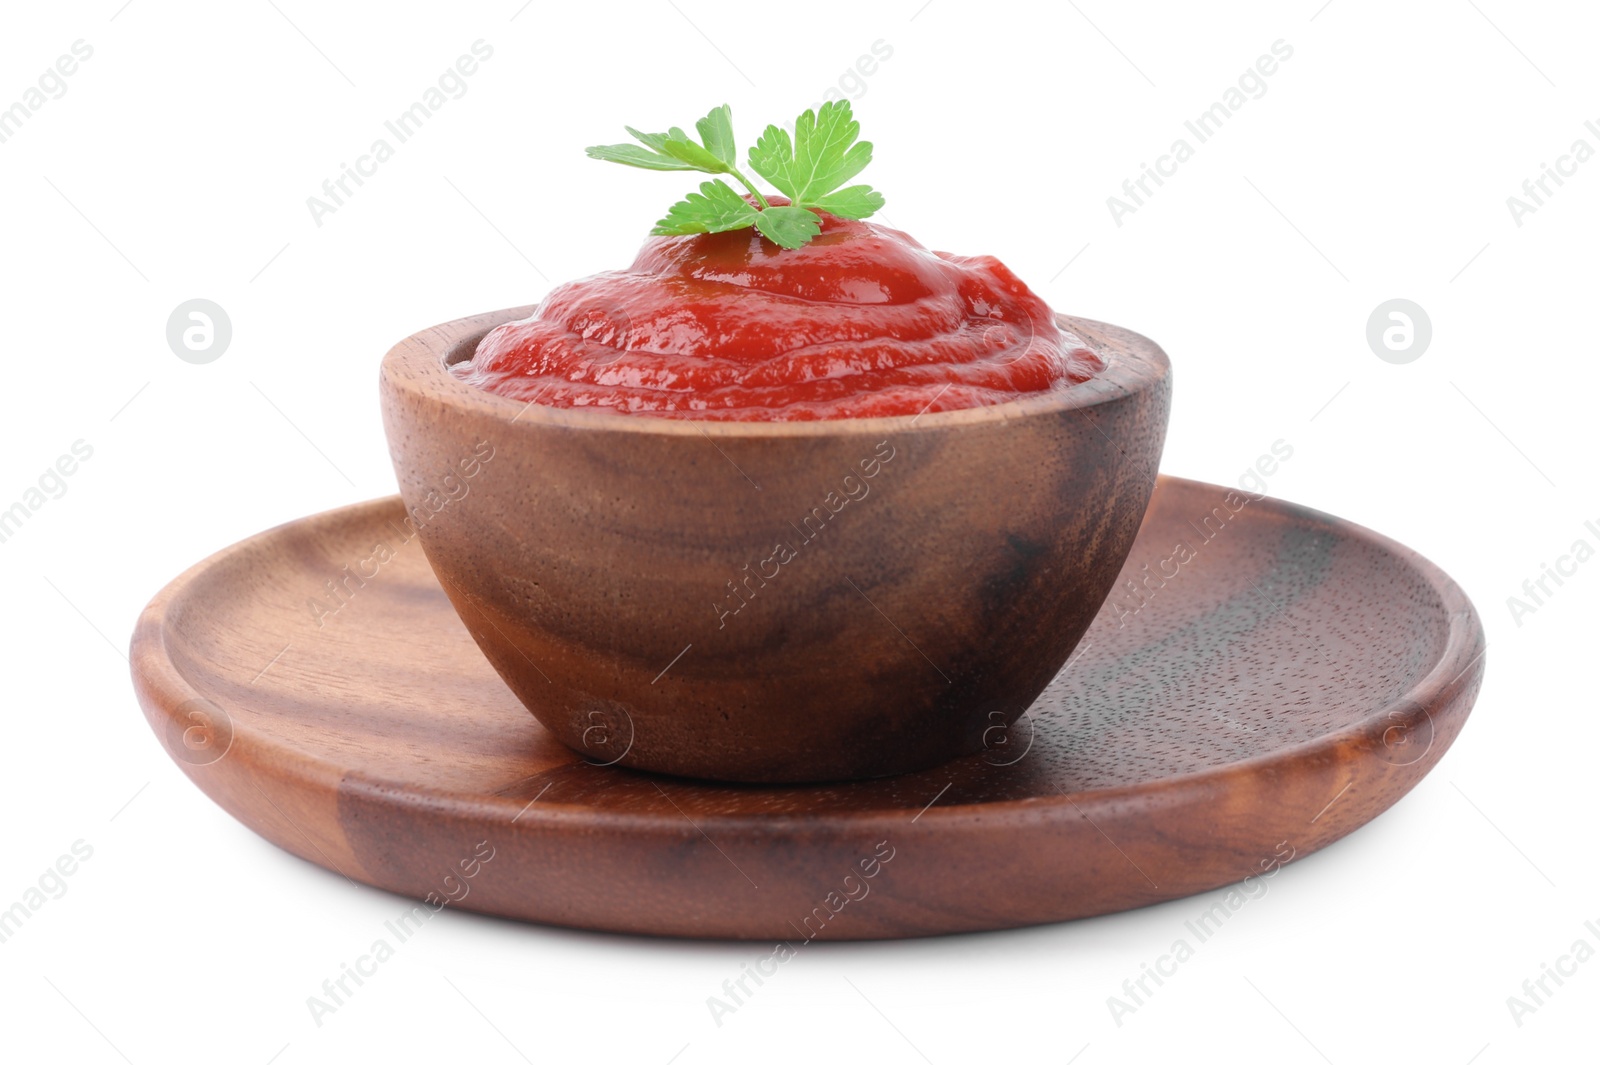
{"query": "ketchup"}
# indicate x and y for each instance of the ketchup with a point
(860, 322)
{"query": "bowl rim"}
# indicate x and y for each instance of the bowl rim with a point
(417, 366)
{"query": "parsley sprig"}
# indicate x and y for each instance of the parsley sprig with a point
(810, 169)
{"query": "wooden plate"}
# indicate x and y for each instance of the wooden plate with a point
(1271, 679)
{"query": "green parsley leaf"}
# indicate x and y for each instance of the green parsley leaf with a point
(651, 140)
(810, 169)
(823, 156)
(633, 155)
(788, 227)
(672, 150)
(857, 201)
(716, 208)
(716, 133)
(678, 145)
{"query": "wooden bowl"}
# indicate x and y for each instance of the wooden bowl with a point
(775, 602)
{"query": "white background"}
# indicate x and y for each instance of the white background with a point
(1377, 165)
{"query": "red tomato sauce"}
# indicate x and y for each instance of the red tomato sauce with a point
(861, 322)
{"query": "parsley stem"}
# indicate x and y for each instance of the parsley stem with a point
(760, 199)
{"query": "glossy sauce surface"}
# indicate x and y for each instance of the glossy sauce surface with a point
(861, 322)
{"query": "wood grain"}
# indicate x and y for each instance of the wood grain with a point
(1295, 678)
